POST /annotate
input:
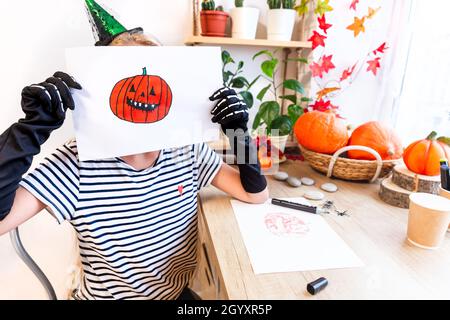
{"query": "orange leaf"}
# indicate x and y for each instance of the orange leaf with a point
(322, 93)
(357, 26)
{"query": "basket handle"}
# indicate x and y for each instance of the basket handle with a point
(362, 148)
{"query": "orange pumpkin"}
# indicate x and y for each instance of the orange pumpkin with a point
(321, 132)
(379, 137)
(423, 156)
(141, 99)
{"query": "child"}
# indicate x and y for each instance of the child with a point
(135, 216)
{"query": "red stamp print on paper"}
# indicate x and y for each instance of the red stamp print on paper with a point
(284, 224)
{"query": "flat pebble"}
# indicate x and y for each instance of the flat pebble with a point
(294, 182)
(329, 187)
(281, 176)
(307, 181)
(314, 195)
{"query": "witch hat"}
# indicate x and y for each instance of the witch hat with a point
(104, 25)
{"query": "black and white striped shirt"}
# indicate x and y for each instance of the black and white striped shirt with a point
(137, 229)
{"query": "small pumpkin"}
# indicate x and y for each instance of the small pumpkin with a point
(379, 137)
(423, 156)
(141, 99)
(321, 132)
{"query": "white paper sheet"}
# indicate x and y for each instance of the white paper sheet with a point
(279, 239)
(192, 74)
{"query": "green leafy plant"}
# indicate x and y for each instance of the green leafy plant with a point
(220, 8)
(208, 5)
(239, 3)
(235, 79)
(289, 4)
(269, 113)
(274, 4)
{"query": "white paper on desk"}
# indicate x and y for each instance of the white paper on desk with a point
(280, 239)
(121, 111)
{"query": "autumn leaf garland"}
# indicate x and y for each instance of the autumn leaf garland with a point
(322, 66)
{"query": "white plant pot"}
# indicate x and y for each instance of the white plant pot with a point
(244, 22)
(279, 142)
(280, 24)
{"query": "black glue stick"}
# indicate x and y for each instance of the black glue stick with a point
(317, 285)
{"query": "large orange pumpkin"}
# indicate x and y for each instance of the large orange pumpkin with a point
(379, 137)
(423, 156)
(141, 99)
(321, 132)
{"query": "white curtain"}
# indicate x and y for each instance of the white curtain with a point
(417, 94)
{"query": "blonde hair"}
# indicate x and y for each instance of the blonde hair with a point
(134, 39)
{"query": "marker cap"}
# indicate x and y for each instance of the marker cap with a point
(317, 285)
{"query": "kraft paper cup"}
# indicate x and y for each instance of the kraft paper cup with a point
(428, 220)
(446, 194)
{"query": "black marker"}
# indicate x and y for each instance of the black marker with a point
(445, 175)
(296, 206)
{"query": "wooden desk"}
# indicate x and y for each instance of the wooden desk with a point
(374, 230)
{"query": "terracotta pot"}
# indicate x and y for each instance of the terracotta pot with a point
(214, 23)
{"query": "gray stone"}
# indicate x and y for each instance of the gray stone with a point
(329, 187)
(308, 181)
(281, 176)
(294, 182)
(314, 195)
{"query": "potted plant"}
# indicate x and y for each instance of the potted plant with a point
(233, 78)
(213, 20)
(244, 21)
(275, 125)
(281, 19)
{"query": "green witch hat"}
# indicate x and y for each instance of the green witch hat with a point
(104, 25)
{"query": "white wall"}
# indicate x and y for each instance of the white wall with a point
(34, 36)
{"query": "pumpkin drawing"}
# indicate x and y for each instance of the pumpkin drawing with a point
(141, 99)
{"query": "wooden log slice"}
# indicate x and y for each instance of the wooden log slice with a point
(411, 181)
(393, 194)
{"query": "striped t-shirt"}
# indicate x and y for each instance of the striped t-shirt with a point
(137, 229)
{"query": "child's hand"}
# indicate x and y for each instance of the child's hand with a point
(230, 111)
(48, 101)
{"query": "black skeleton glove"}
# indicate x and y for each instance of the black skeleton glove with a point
(45, 107)
(232, 114)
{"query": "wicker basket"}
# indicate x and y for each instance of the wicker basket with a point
(349, 169)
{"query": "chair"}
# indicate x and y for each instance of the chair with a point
(26, 258)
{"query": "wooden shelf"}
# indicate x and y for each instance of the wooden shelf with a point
(195, 40)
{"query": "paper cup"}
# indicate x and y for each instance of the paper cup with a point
(428, 220)
(446, 194)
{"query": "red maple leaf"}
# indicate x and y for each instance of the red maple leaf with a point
(381, 48)
(322, 106)
(316, 69)
(353, 4)
(317, 40)
(323, 23)
(374, 65)
(327, 65)
(348, 72)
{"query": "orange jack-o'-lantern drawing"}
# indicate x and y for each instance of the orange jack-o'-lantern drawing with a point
(141, 99)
